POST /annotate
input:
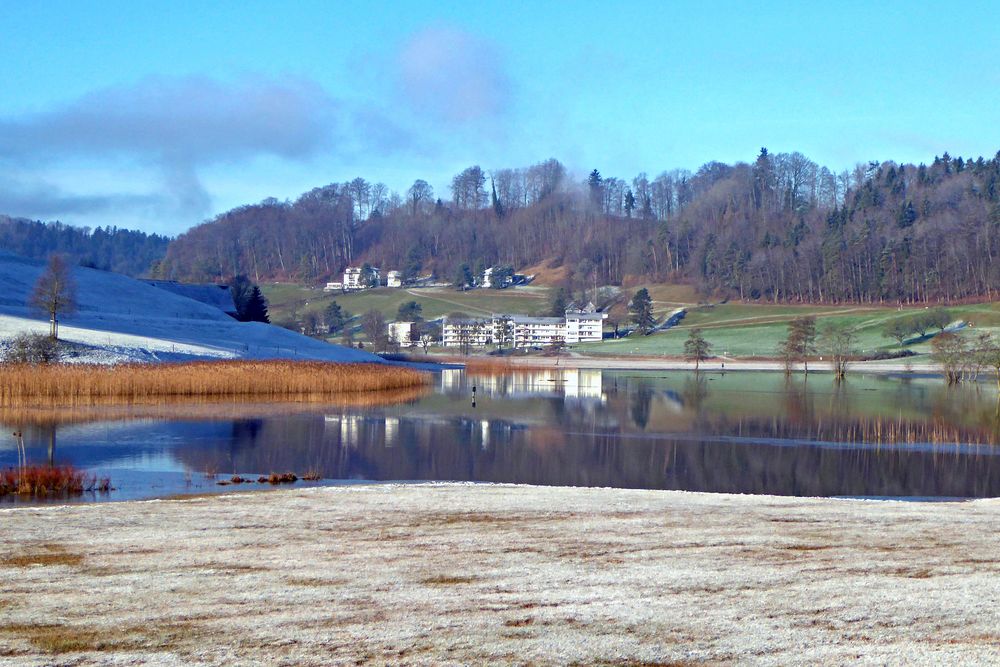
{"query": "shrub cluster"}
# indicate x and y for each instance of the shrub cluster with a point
(31, 348)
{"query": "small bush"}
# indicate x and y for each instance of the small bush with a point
(31, 348)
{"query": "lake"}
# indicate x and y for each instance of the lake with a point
(746, 432)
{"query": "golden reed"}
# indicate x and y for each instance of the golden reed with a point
(63, 384)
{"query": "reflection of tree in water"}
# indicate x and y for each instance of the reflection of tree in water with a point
(575, 453)
(695, 391)
(640, 405)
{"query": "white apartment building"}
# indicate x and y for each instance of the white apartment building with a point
(584, 327)
(521, 331)
(394, 279)
(538, 331)
(354, 280)
(471, 332)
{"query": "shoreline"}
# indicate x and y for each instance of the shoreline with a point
(504, 574)
(718, 365)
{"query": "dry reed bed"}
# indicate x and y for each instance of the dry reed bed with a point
(76, 384)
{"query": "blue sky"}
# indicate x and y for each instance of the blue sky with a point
(159, 115)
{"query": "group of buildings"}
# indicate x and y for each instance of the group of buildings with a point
(364, 277)
(582, 325)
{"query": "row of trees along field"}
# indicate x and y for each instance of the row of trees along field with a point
(125, 251)
(780, 228)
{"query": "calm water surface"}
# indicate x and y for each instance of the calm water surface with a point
(737, 433)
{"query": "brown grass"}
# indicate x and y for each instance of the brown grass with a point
(446, 580)
(44, 481)
(46, 555)
(86, 383)
(58, 638)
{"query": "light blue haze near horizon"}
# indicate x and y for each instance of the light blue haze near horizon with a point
(159, 115)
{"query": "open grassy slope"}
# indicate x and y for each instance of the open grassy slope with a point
(753, 330)
(293, 301)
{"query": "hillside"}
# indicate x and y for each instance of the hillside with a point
(122, 319)
(132, 253)
(778, 229)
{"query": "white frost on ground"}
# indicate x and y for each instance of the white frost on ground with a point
(477, 574)
(120, 319)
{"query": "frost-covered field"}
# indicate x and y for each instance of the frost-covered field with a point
(462, 574)
(121, 319)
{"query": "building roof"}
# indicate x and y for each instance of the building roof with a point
(524, 319)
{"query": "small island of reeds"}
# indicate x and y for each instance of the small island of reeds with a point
(66, 384)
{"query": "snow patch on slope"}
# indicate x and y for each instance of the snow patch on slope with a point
(120, 319)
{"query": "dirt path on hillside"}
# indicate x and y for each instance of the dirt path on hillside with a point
(774, 319)
(478, 574)
(465, 306)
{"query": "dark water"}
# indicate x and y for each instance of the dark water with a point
(737, 433)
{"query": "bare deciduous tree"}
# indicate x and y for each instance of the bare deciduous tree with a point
(55, 293)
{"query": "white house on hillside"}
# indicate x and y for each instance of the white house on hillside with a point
(403, 334)
(394, 279)
(354, 278)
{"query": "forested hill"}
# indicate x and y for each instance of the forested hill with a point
(120, 250)
(779, 228)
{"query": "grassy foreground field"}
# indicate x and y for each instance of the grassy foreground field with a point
(500, 575)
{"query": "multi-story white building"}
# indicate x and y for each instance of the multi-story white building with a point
(394, 279)
(521, 331)
(355, 279)
(584, 327)
(538, 331)
(467, 332)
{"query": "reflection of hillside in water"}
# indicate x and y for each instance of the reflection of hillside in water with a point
(591, 428)
(575, 444)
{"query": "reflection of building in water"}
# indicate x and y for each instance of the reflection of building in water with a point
(484, 432)
(584, 383)
(391, 431)
(451, 379)
(349, 426)
(570, 383)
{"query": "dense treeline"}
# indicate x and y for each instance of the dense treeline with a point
(111, 249)
(781, 228)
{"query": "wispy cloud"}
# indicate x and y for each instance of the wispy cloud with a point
(178, 126)
(195, 120)
(452, 75)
